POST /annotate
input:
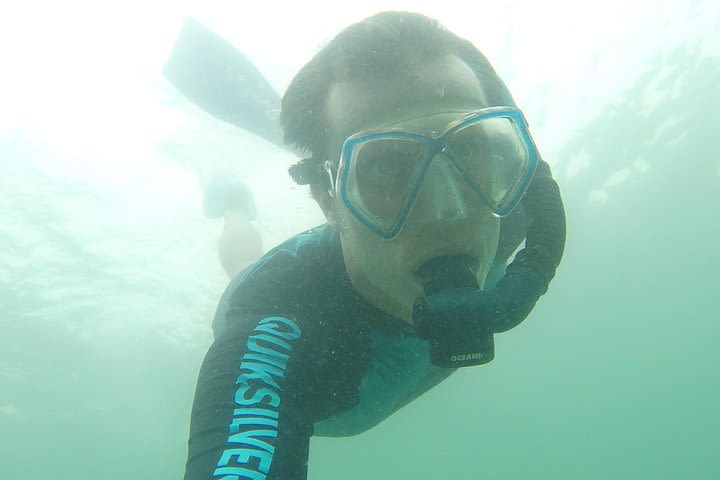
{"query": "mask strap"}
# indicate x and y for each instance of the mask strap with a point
(329, 178)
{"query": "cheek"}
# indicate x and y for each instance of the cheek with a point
(375, 258)
(368, 253)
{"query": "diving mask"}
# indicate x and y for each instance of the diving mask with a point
(380, 173)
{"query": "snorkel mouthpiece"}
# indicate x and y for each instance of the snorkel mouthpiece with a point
(451, 313)
(447, 272)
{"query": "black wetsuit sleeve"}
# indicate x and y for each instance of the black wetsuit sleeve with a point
(248, 419)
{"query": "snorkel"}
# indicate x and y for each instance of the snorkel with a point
(458, 318)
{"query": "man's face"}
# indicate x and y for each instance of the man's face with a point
(447, 217)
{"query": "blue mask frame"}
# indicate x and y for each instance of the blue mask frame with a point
(434, 146)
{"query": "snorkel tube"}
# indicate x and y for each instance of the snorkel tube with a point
(458, 318)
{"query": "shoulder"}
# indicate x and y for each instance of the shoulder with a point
(297, 261)
(290, 278)
(297, 289)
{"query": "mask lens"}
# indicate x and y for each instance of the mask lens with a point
(381, 177)
(494, 157)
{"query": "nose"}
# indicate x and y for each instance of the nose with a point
(444, 193)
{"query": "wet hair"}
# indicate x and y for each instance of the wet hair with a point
(380, 45)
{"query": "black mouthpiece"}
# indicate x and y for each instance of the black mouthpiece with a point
(452, 271)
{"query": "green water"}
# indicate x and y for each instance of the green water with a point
(108, 283)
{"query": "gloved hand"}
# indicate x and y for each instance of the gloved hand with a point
(223, 194)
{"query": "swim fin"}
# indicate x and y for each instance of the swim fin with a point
(218, 78)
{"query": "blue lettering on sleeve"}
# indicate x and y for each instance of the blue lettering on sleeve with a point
(237, 473)
(258, 399)
(244, 455)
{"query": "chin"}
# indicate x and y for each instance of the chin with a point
(415, 285)
(395, 295)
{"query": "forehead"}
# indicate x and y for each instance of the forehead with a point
(441, 85)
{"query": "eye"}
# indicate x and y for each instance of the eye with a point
(469, 144)
(387, 159)
(383, 168)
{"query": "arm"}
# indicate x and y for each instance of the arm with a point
(247, 419)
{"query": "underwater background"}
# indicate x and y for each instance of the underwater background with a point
(109, 275)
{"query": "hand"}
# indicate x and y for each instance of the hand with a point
(223, 194)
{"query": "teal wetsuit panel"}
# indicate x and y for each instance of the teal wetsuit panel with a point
(399, 371)
(399, 367)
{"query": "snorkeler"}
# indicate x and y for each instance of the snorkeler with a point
(415, 152)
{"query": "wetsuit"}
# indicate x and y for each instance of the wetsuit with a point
(298, 352)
